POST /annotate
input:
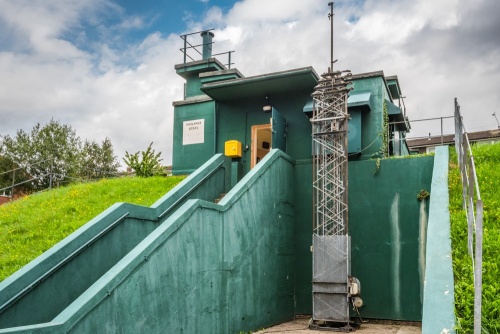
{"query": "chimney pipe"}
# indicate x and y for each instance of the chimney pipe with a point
(207, 44)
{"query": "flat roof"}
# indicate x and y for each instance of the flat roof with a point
(368, 75)
(276, 83)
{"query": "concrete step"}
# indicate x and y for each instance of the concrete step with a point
(217, 200)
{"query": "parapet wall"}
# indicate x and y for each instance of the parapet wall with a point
(388, 225)
(439, 307)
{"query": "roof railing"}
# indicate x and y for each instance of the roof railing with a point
(206, 44)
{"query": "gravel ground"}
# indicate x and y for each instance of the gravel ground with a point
(300, 326)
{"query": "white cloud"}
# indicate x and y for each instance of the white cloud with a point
(213, 16)
(439, 50)
(122, 94)
(133, 22)
(125, 90)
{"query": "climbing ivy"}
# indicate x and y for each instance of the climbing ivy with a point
(385, 132)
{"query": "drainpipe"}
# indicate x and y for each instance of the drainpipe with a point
(207, 44)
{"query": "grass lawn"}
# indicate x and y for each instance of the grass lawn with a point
(487, 159)
(31, 225)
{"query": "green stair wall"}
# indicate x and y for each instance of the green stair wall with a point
(206, 268)
(42, 289)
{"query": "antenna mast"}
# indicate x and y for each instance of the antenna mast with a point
(333, 287)
(330, 17)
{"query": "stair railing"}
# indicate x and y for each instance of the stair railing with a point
(471, 193)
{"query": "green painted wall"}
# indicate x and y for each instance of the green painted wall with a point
(193, 85)
(371, 225)
(60, 289)
(187, 158)
(303, 237)
(208, 268)
(87, 254)
(191, 73)
(371, 121)
(235, 119)
(232, 120)
(385, 222)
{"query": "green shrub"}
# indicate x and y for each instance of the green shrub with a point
(148, 165)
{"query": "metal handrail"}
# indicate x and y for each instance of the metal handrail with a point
(471, 192)
(187, 45)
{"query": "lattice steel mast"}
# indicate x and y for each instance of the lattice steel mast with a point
(333, 288)
(329, 122)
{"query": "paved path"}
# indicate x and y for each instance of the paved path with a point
(300, 326)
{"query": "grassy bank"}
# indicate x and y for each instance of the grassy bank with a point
(30, 226)
(487, 159)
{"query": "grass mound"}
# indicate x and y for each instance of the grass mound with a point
(31, 225)
(487, 159)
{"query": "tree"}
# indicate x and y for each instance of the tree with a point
(53, 153)
(149, 165)
(97, 161)
(49, 152)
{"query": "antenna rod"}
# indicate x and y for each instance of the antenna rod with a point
(330, 17)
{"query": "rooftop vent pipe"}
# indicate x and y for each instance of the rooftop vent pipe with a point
(207, 44)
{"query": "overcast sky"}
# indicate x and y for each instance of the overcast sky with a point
(106, 67)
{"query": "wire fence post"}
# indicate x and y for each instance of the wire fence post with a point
(13, 183)
(478, 272)
(50, 176)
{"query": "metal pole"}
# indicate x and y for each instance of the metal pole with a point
(441, 131)
(184, 38)
(330, 17)
(457, 136)
(478, 274)
(13, 183)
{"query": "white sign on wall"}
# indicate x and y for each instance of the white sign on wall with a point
(193, 132)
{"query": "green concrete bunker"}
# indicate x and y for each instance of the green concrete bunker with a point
(190, 265)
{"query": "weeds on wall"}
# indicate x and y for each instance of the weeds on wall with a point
(423, 195)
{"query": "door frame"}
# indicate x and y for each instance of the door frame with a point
(253, 148)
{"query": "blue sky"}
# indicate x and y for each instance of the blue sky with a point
(148, 16)
(106, 67)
